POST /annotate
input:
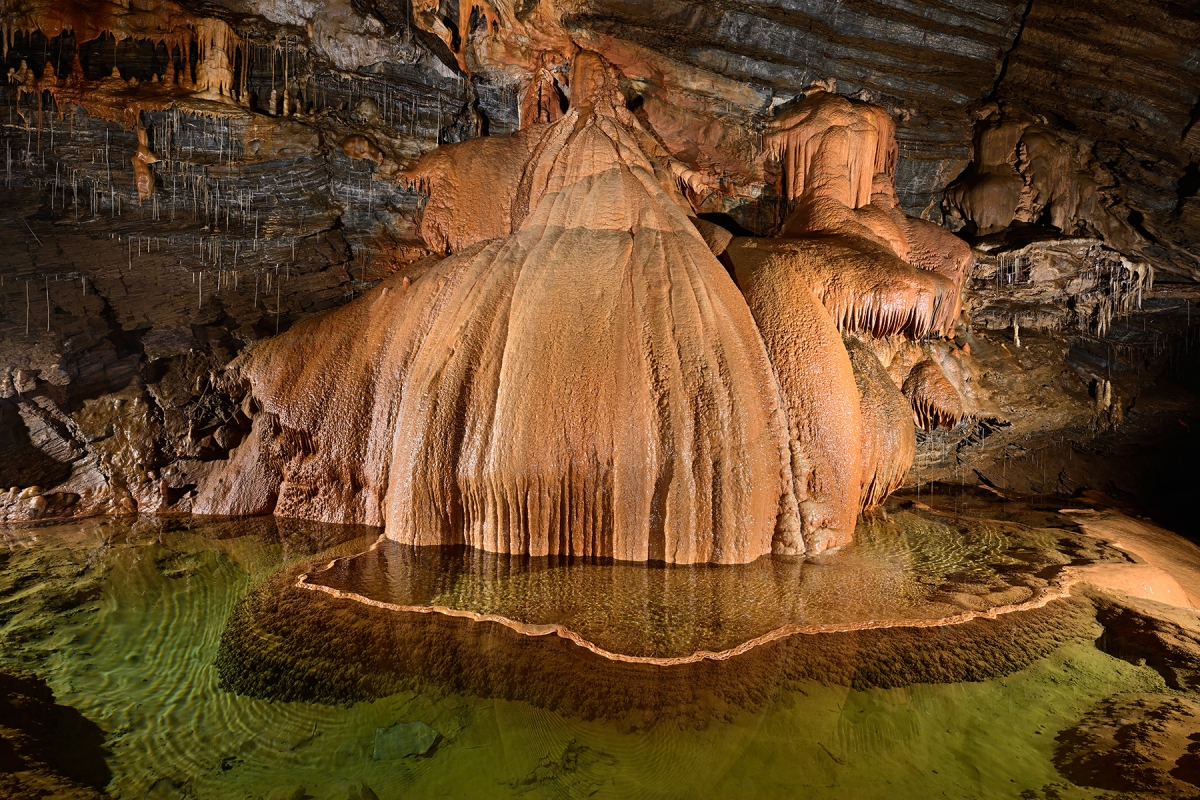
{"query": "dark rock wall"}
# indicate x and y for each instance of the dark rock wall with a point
(1125, 79)
(115, 316)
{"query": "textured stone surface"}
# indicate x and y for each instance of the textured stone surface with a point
(282, 158)
(47, 750)
(592, 384)
(1134, 743)
(923, 61)
(403, 740)
(1126, 82)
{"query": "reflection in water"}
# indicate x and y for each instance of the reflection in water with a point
(903, 570)
(214, 675)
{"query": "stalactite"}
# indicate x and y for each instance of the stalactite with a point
(142, 159)
(286, 91)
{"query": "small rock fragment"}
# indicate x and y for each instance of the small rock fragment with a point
(402, 740)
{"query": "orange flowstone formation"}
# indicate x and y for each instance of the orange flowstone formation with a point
(888, 438)
(873, 267)
(590, 384)
(936, 378)
(847, 261)
(582, 378)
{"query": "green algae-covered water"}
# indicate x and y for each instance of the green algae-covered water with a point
(213, 675)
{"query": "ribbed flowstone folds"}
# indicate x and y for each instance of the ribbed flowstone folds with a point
(592, 384)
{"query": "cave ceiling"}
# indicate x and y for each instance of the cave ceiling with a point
(710, 76)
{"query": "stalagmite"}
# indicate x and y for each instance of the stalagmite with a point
(822, 401)
(589, 383)
(846, 260)
(888, 436)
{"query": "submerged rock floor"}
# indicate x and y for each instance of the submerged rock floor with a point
(211, 673)
(905, 570)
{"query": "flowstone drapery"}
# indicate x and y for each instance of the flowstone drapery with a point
(582, 377)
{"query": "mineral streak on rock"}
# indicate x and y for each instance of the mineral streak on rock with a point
(592, 384)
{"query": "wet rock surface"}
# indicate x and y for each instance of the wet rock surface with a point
(1142, 744)
(1147, 633)
(47, 750)
(404, 740)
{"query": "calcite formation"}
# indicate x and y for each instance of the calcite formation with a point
(142, 159)
(1024, 172)
(578, 375)
(587, 383)
(581, 377)
(847, 261)
(876, 268)
(888, 435)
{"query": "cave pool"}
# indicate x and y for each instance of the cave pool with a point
(248, 658)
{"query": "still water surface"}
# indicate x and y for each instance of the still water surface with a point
(214, 676)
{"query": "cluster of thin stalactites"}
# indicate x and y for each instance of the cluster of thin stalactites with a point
(219, 51)
(883, 316)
